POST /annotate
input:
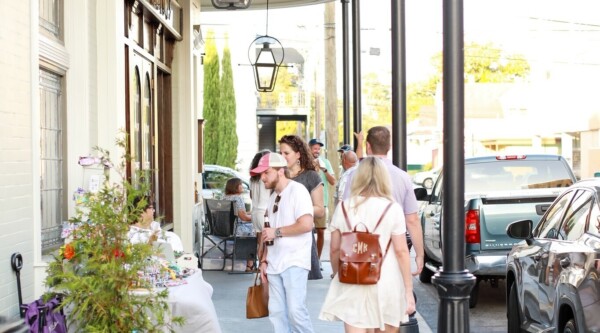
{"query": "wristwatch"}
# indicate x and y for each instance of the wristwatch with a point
(278, 233)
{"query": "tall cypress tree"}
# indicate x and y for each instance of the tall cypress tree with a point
(227, 134)
(211, 100)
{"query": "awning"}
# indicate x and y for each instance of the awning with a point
(262, 4)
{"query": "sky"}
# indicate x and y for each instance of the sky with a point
(548, 32)
(560, 39)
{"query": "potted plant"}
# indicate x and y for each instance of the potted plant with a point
(98, 270)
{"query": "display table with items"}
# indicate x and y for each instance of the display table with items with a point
(190, 297)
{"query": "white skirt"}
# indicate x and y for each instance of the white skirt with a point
(368, 306)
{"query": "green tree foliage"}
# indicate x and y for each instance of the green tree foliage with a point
(285, 85)
(486, 63)
(211, 100)
(420, 94)
(377, 103)
(483, 63)
(227, 136)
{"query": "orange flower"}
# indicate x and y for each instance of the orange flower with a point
(118, 253)
(69, 251)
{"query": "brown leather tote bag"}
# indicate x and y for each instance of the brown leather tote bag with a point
(257, 299)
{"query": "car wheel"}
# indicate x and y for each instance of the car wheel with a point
(570, 326)
(428, 183)
(426, 274)
(474, 295)
(514, 312)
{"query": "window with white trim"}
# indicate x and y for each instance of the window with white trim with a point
(51, 160)
(50, 18)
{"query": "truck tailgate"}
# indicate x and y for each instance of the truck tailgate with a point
(496, 214)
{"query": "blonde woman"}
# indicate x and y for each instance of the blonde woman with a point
(379, 307)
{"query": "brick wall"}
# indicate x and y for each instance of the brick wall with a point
(16, 207)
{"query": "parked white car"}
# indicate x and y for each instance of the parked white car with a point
(426, 178)
(214, 179)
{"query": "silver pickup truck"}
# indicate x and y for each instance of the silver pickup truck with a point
(498, 191)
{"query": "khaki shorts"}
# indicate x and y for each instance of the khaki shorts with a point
(321, 222)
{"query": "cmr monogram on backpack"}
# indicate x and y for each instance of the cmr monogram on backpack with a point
(360, 254)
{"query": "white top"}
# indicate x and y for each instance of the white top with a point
(292, 250)
(343, 183)
(260, 201)
(370, 306)
(141, 235)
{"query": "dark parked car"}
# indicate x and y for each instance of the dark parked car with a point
(553, 276)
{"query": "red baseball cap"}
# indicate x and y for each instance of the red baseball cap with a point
(270, 160)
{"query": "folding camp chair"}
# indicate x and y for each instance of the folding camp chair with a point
(244, 248)
(220, 217)
(201, 227)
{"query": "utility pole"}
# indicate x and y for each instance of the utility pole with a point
(331, 121)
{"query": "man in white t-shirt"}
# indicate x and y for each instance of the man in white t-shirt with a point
(287, 262)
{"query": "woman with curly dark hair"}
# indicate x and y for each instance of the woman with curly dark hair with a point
(302, 168)
(301, 165)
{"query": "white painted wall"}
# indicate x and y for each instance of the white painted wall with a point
(18, 23)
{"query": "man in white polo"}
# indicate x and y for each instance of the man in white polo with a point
(287, 262)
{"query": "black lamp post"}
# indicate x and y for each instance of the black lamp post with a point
(266, 63)
(231, 4)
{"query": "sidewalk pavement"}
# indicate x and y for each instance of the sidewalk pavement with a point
(229, 298)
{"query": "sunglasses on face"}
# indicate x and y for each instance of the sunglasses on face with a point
(276, 205)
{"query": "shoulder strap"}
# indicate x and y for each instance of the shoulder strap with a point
(378, 222)
(346, 217)
(382, 216)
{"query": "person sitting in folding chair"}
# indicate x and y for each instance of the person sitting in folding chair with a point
(243, 221)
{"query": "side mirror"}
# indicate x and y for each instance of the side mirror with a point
(520, 229)
(421, 194)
